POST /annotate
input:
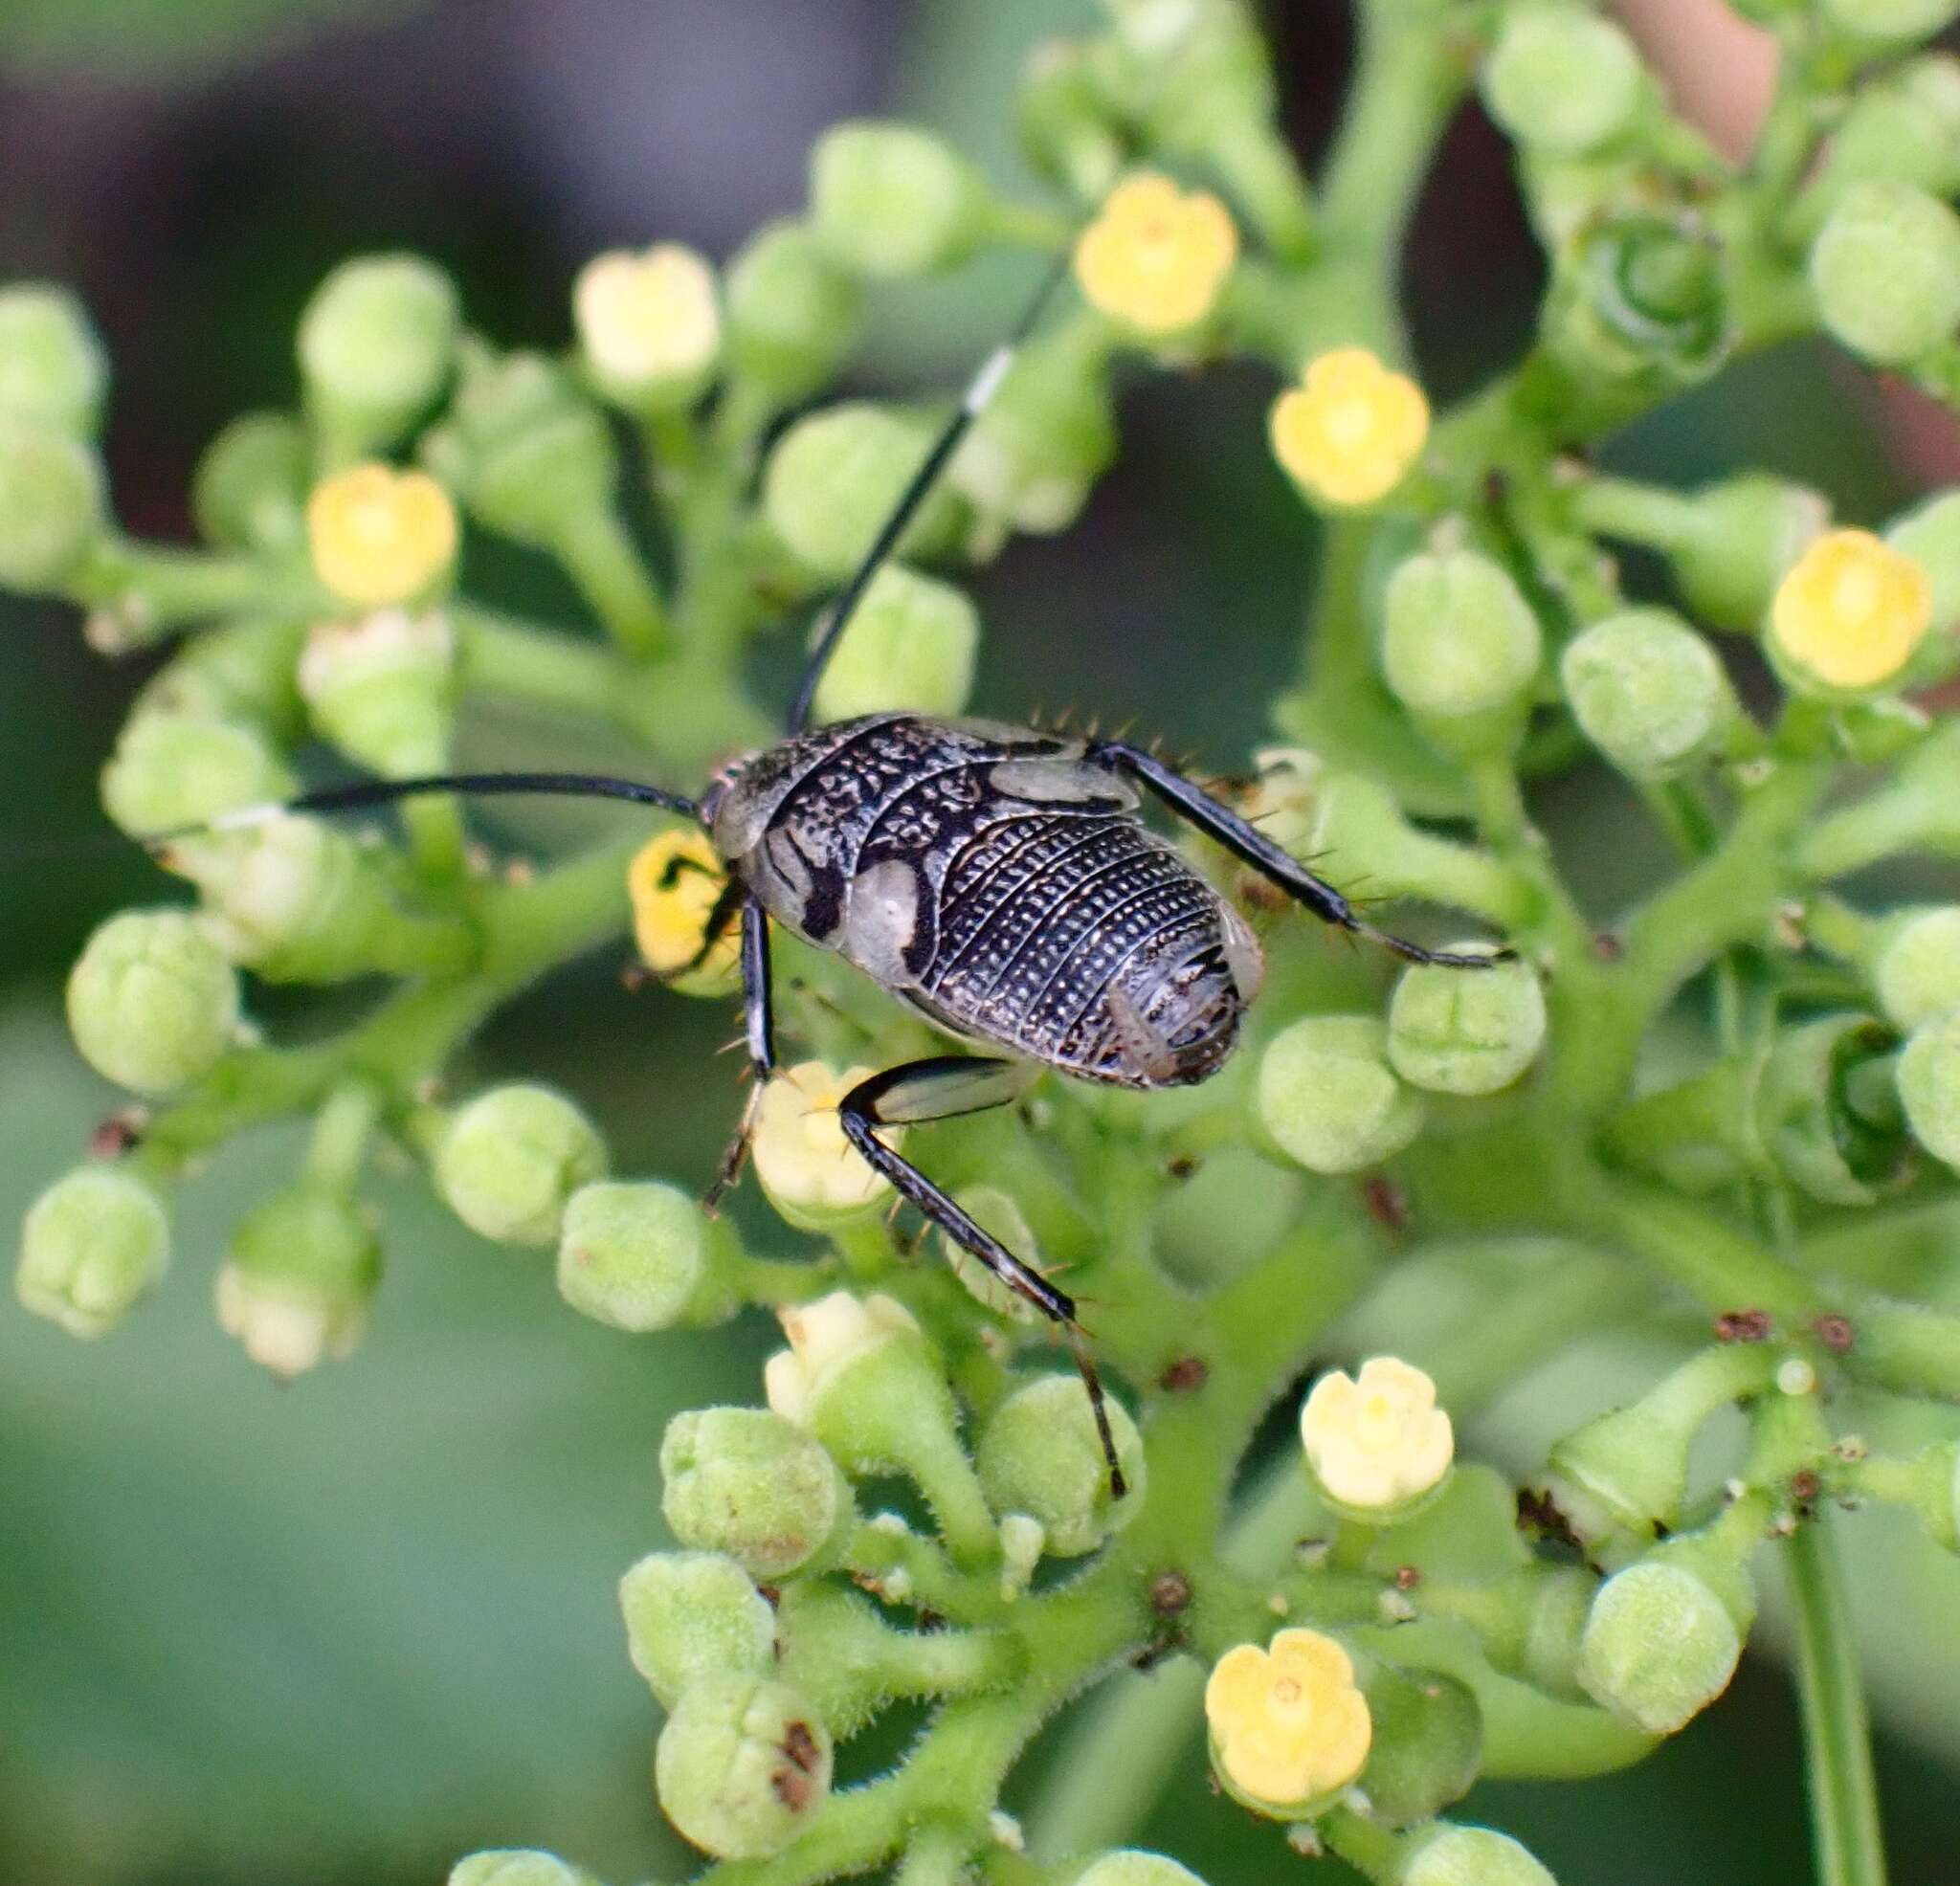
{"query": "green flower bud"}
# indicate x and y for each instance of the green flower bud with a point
(835, 475)
(51, 505)
(52, 369)
(645, 1256)
(1132, 1866)
(860, 1376)
(893, 200)
(1648, 692)
(1889, 20)
(1046, 436)
(517, 1866)
(1929, 1087)
(1451, 1855)
(1738, 540)
(997, 1212)
(377, 343)
(382, 687)
(1629, 1467)
(1886, 269)
(1637, 309)
(249, 489)
(690, 1614)
(295, 900)
(152, 1004)
(1660, 1646)
(1929, 534)
(1458, 1034)
(1227, 1214)
(1561, 80)
(1905, 131)
(743, 1766)
(1458, 638)
(1063, 121)
(523, 449)
(746, 1482)
(240, 671)
(1329, 1097)
(92, 1246)
(298, 1281)
(1427, 1742)
(1041, 1455)
(910, 645)
(513, 1157)
(1918, 970)
(172, 770)
(1826, 1111)
(792, 312)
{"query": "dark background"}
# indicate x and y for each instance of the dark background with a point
(351, 1629)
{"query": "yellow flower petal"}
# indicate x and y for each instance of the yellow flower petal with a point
(1377, 1441)
(1350, 431)
(673, 883)
(1289, 1725)
(1851, 611)
(1157, 256)
(379, 536)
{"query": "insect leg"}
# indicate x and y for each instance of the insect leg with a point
(759, 1022)
(1250, 846)
(939, 1088)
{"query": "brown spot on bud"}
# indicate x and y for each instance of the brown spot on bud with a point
(1170, 1593)
(120, 1134)
(1183, 1375)
(1742, 1326)
(1406, 1578)
(1834, 1333)
(1182, 1167)
(634, 977)
(800, 1745)
(1386, 1203)
(1804, 1486)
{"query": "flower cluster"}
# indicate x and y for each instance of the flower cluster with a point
(916, 1503)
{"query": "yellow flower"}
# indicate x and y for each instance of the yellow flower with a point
(1851, 611)
(1157, 255)
(1289, 1725)
(812, 1174)
(380, 536)
(648, 319)
(1353, 430)
(826, 1337)
(1379, 1441)
(673, 881)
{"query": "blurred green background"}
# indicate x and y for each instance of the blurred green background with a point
(346, 1631)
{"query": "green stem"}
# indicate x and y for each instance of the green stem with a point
(1838, 1749)
(1634, 513)
(601, 559)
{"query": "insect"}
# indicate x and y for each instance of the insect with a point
(999, 879)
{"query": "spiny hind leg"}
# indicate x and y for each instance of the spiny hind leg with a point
(1250, 846)
(941, 1088)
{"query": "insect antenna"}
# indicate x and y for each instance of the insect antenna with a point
(979, 390)
(361, 794)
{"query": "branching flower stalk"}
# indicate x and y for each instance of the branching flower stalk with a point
(1374, 1626)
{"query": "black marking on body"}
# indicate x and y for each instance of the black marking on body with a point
(1000, 882)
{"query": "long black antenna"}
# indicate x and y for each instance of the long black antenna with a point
(386, 791)
(979, 390)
